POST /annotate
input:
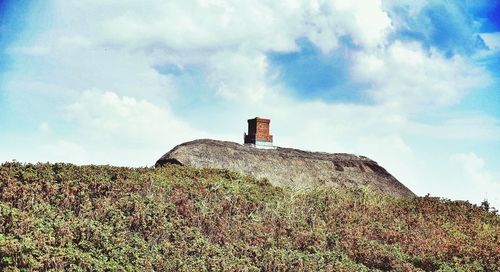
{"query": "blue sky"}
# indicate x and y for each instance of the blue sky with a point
(413, 85)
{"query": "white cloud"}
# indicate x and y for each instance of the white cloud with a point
(188, 25)
(110, 125)
(238, 76)
(61, 151)
(229, 41)
(191, 26)
(479, 182)
(116, 117)
(44, 128)
(36, 50)
(371, 22)
(409, 78)
(478, 127)
(492, 40)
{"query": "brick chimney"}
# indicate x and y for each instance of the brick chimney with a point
(258, 133)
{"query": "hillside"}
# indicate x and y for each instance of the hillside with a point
(287, 166)
(178, 218)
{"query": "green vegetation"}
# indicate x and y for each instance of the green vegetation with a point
(176, 218)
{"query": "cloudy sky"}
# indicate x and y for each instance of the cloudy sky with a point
(414, 85)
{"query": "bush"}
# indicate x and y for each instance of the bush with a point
(177, 218)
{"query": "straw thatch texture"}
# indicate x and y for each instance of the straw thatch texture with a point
(287, 166)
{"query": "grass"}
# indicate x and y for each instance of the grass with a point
(176, 218)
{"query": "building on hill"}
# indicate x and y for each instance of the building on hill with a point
(286, 167)
(258, 133)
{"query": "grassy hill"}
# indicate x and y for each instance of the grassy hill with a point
(177, 218)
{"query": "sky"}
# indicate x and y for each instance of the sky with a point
(414, 85)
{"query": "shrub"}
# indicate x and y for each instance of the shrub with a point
(178, 218)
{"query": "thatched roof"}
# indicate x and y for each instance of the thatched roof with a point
(287, 166)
